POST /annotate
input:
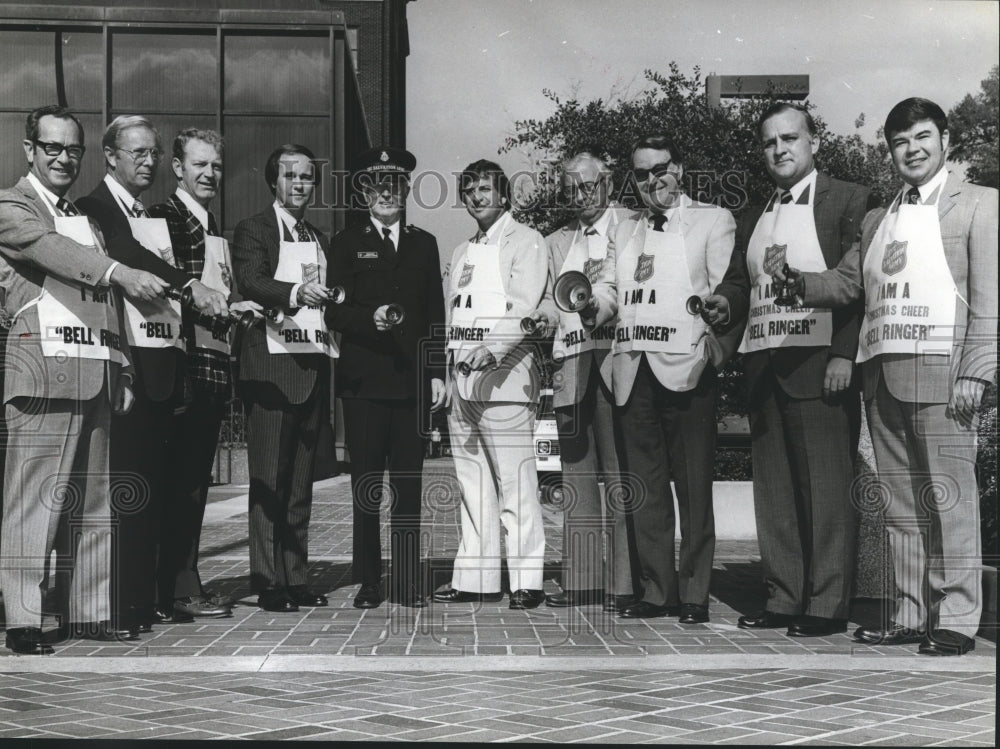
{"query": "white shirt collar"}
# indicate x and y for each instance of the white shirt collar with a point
(677, 208)
(393, 229)
(197, 209)
(51, 199)
(927, 190)
(602, 224)
(800, 187)
(289, 220)
(122, 196)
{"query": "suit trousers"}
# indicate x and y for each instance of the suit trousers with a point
(587, 451)
(926, 465)
(139, 473)
(194, 436)
(493, 448)
(56, 497)
(668, 433)
(281, 449)
(803, 471)
(384, 434)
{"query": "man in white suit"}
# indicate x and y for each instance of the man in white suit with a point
(497, 278)
(664, 379)
(926, 268)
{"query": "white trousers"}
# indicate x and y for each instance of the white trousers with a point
(493, 448)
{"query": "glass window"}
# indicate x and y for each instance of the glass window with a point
(289, 74)
(249, 141)
(164, 72)
(28, 61)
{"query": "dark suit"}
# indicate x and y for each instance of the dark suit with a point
(803, 444)
(58, 412)
(139, 438)
(383, 379)
(286, 396)
(194, 432)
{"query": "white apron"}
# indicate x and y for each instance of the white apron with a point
(477, 298)
(586, 255)
(304, 332)
(786, 234)
(154, 324)
(217, 275)
(75, 321)
(655, 284)
(909, 291)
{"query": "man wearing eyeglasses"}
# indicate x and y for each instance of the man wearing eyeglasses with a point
(664, 377)
(139, 439)
(582, 399)
(390, 376)
(64, 375)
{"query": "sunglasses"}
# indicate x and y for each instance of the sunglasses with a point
(656, 171)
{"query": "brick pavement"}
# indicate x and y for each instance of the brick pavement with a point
(486, 673)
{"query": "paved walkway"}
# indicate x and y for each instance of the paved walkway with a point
(484, 672)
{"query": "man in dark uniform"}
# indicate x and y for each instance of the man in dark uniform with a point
(387, 376)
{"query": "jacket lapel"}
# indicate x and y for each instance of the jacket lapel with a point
(34, 200)
(951, 190)
(822, 188)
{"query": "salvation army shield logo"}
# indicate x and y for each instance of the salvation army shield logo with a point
(774, 258)
(466, 276)
(643, 268)
(592, 269)
(310, 272)
(894, 258)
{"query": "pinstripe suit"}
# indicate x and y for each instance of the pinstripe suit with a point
(803, 444)
(920, 446)
(58, 412)
(286, 396)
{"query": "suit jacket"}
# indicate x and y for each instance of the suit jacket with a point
(968, 214)
(398, 363)
(159, 370)
(271, 379)
(32, 249)
(524, 270)
(838, 208)
(708, 239)
(574, 371)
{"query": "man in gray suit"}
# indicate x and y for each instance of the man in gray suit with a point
(926, 268)
(60, 389)
(582, 399)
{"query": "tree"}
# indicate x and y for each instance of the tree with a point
(722, 157)
(972, 124)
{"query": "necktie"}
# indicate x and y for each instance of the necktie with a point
(390, 248)
(301, 232)
(590, 232)
(659, 220)
(213, 228)
(139, 210)
(67, 208)
(913, 196)
(786, 198)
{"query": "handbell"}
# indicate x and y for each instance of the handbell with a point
(785, 296)
(218, 324)
(572, 291)
(464, 368)
(395, 314)
(695, 306)
(529, 325)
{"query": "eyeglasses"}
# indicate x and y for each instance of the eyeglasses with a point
(143, 154)
(656, 171)
(54, 149)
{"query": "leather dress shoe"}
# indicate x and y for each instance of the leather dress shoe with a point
(276, 600)
(99, 632)
(816, 626)
(410, 598)
(171, 616)
(946, 642)
(616, 603)
(574, 598)
(197, 606)
(693, 613)
(764, 620)
(369, 597)
(218, 599)
(300, 595)
(526, 599)
(453, 595)
(27, 641)
(895, 634)
(645, 610)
